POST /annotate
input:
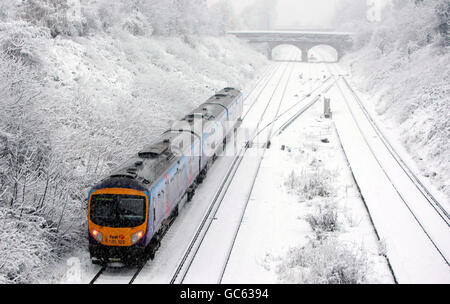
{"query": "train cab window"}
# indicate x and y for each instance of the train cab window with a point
(102, 208)
(131, 211)
(118, 211)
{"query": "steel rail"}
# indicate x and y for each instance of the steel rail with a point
(387, 176)
(195, 244)
(413, 177)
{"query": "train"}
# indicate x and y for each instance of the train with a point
(130, 210)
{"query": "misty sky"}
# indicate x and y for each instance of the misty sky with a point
(300, 13)
(306, 13)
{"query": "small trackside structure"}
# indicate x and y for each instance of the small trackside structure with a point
(327, 107)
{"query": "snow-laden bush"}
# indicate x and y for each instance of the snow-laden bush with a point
(407, 29)
(61, 17)
(443, 13)
(23, 138)
(324, 261)
(20, 39)
(24, 150)
(136, 24)
(323, 220)
(138, 17)
(8, 9)
(26, 246)
(312, 182)
(40, 207)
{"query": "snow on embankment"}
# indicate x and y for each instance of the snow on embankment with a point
(77, 106)
(405, 68)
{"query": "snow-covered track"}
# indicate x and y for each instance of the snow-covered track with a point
(266, 81)
(190, 254)
(427, 227)
(413, 227)
(99, 273)
(196, 241)
(440, 209)
(117, 275)
(302, 110)
(443, 213)
(267, 145)
(209, 261)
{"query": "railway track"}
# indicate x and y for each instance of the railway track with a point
(443, 213)
(427, 226)
(186, 261)
(128, 275)
(266, 81)
(185, 264)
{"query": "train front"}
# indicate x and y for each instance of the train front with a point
(118, 220)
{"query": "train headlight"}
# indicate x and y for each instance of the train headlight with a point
(136, 237)
(98, 236)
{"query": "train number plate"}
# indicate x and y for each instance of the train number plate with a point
(115, 240)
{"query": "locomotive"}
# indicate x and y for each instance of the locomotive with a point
(131, 209)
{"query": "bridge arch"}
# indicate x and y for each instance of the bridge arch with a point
(305, 49)
(285, 52)
(324, 53)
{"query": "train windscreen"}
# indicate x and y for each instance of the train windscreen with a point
(117, 211)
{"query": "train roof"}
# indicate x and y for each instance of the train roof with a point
(215, 105)
(224, 97)
(148, 165)
(153, 159)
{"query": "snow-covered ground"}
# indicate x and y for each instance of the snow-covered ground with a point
(306, 176)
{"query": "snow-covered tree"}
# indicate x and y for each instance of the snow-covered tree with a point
(407, 26)
(260, 15)
(222, 17)
(443, 13)
(349, 12)
(57, 15)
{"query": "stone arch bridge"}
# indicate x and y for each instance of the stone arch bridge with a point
(304, 40)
